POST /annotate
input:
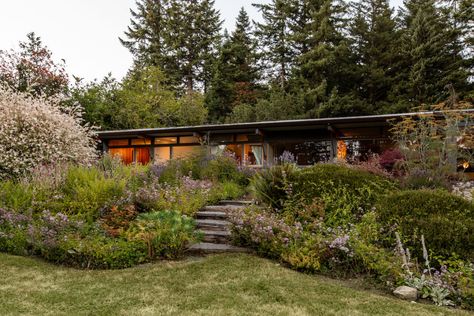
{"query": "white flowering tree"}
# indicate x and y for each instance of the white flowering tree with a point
(36, 131)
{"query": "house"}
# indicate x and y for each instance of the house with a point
(258, 143)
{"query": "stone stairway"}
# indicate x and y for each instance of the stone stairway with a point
(212, 222)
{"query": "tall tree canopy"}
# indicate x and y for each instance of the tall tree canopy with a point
(32, 69)
(179, 36)
(236, 74)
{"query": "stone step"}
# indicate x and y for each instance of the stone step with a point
(221, 208)
(211, 215)
(236, 202)
(218, 237)
(207, 248)
(212, 224)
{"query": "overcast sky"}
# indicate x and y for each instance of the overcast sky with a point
(85, 32)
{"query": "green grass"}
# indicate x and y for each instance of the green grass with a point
(215, 285)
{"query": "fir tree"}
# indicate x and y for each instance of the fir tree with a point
(428, 55)
(274, 37)
(236, 74)
(375, 46)
(320, 71)
(178, 36)
(145, 34)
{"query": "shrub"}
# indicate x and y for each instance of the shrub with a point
(273, 186)
(116, 219)
(263, 230)
(13, 236)
(187, 196)
(390, 158)
(86, 190)
(166, 234)
(37, 131)
(445, 220)
(18, 196)
(424, 179)
(225, 191)
(346, 192)
(98, 252)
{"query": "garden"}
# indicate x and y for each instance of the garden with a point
(404, 218)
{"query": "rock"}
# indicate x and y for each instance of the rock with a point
(406, 293)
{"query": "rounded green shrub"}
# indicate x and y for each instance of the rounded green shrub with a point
(445, 220)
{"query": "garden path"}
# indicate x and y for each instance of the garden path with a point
(213, 222)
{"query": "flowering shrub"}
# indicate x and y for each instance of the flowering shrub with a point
(37, 131)
(308, 245)
(13, 227)
(263, 230)
(450, 283)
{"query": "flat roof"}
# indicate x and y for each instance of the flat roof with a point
(236, 127)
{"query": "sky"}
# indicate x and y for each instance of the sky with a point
(85, 32)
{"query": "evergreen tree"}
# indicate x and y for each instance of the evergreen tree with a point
(428, 55)
(274, 37)
(192, 36)
(236, 74)
(178, 36)
(375, 46)
(145, 34)
(320, 71)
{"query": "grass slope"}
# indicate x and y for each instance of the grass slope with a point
(215, 285)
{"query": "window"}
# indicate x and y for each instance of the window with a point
(234, 150)
(141, 155)
(162, 154)
(117, 142)
(125, 154)
(222, 138)
(166, 140)
(141, 141)
(253, 155)
(188, 140)
(185, 151)
(304, 153)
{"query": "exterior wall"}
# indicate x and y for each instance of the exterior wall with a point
(258, 148)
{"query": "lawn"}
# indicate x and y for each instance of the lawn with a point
(215, 285)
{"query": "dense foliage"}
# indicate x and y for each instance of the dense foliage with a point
(445, 220)
(346, 192)
(108, 215)
(37, 130)
(343, 219)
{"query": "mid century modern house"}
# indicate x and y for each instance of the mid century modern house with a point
(258, 143)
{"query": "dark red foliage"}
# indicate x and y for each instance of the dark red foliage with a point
(390, 157)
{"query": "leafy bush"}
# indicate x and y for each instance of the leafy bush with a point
(13, 232)
(116, 219)
(85, 191)
(273, 186)
(390, 158)
(418, 179)
(346, 192)
(445, 220)
(18, 196)
(166, 234)
(98, 252)
(37, 131)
